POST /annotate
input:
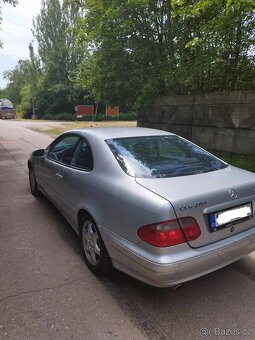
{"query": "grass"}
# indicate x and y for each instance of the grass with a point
(53, 132)
(65, 126)
(246, 162)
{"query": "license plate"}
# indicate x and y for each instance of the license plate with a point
(227, 218)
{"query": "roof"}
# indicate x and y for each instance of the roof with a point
(109, 133)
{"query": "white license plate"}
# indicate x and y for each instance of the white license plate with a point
(229, 217)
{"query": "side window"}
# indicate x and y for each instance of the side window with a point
(83, 157)
(63, 150)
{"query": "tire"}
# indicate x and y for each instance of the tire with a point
(33, 183)
(95, 254)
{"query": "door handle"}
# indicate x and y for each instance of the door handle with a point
(58, 175)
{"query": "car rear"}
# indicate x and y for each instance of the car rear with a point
(213, 203)
(171, 266)
(222, 203)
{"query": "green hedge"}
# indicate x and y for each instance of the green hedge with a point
(102, 117)
(64, 116)
(98, 118)
(47, 116)
(128, 116)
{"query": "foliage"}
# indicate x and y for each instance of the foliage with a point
(220, 43)
(128, 116)
(24, 108)
(47, 116)
(64, 116)
(59, 54)
(140, 49)
(241, 161)
(49, 74)
(127, 52)
(17, 79)
(3, 93)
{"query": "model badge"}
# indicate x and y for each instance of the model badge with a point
(233, 193)
(195, 205)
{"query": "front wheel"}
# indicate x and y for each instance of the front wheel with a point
(95, 254)
(33, 184)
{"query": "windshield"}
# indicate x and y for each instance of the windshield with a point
(162, 156)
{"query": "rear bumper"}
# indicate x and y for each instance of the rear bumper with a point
(185, 265)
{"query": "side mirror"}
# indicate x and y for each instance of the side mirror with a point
(39, 153)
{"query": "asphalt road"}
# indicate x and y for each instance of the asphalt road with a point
(46, 291)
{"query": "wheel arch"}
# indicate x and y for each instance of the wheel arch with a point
(104, 265)
(82, 214)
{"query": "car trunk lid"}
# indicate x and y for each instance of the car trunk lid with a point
(200, 195)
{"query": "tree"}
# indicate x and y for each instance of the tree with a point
(128, 59)
(3, 93)
(44, 83)
(35, 73)
(127, 52)
(59, 54)
(145, 48)
(25, 108)
(219, 43)
(22, 83)
(17, 79)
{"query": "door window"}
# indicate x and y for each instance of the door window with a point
(63, 150)
(83, 158)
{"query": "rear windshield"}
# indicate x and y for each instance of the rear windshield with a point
(162, 156)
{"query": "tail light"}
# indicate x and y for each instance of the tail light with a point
(190, 228)
(170, 233)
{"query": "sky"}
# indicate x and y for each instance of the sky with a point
(16, 33)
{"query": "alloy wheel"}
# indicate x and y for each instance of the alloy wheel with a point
(91, 243)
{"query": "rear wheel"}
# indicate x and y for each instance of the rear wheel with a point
(95, 254)
(33, 184)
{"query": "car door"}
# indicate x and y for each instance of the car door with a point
(77, 178)
(58, 156)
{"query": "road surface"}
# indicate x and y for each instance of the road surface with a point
(47, 292)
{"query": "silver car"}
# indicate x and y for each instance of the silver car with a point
(147, 202)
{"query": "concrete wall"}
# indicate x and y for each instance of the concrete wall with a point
(218, 121)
